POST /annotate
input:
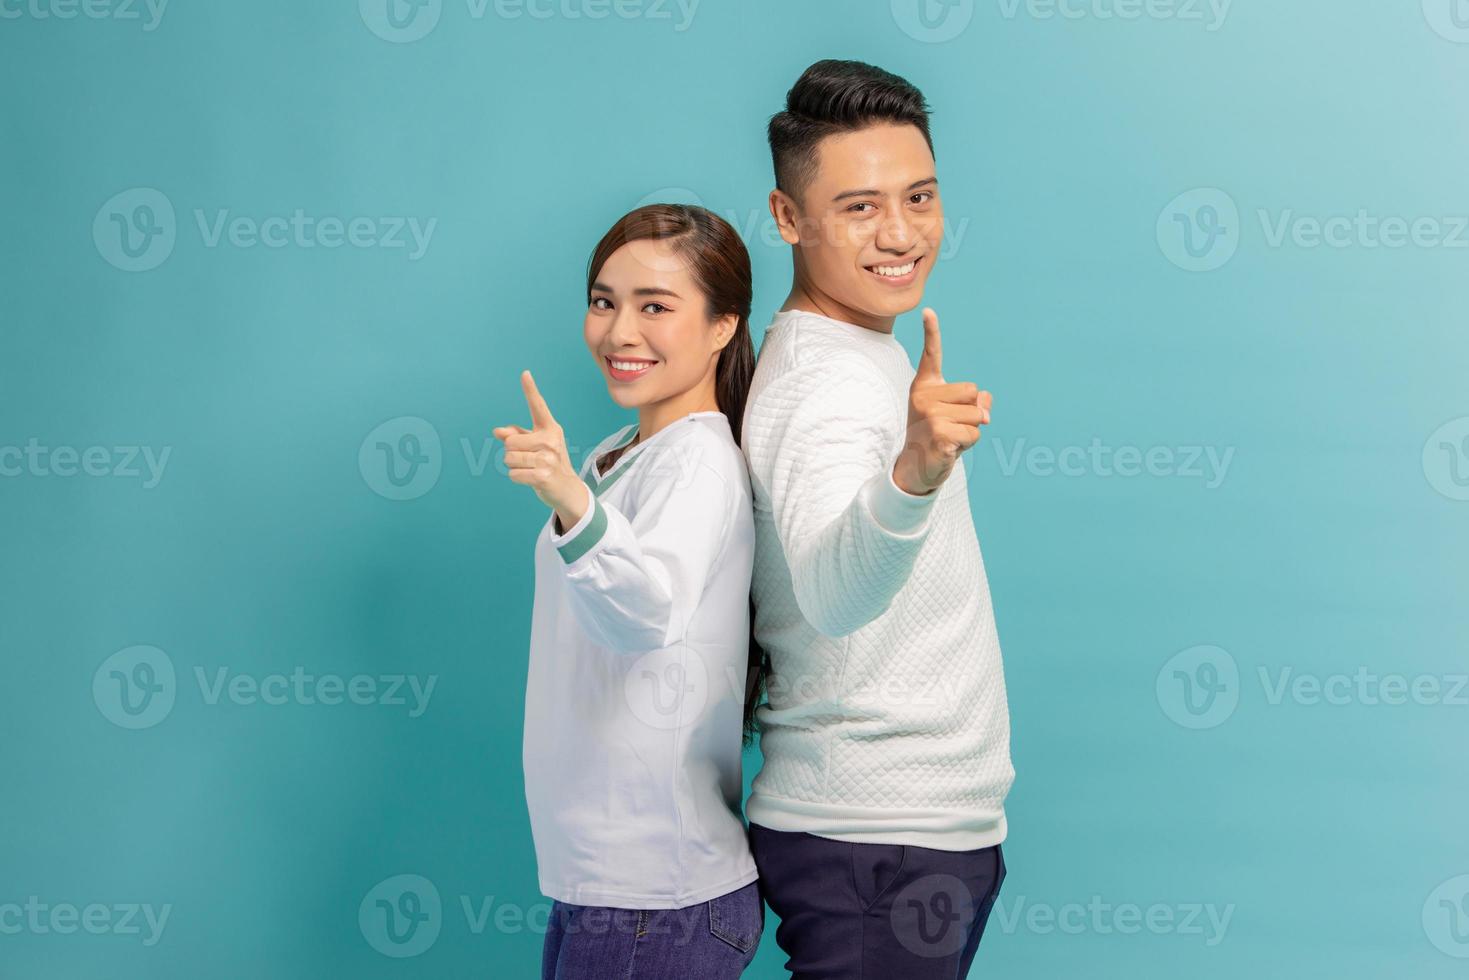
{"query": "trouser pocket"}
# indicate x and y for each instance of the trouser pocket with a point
(738, 918)
(875, 869)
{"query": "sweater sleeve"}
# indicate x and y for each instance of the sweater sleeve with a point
(849, 533)
(635, 581)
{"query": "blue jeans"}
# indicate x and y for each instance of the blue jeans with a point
(714, 940)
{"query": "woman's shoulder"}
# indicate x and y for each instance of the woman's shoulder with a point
(706, 442)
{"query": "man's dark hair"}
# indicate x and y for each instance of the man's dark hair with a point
(837, 97)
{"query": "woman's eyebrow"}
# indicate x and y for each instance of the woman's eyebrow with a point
(598, 287)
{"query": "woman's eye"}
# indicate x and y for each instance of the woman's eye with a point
(655, 308)
(601, 303)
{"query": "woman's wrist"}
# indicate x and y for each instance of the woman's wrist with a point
(571, 502)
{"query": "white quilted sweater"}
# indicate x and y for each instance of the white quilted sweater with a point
(887, 719)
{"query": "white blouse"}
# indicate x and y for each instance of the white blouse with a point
(634, 699)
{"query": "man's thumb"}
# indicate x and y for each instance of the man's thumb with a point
(930, 363)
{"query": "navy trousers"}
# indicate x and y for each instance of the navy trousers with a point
(875, 911)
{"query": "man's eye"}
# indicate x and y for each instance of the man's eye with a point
(862, 204)
(922, 197)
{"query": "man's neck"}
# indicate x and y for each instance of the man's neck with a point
(805, 296)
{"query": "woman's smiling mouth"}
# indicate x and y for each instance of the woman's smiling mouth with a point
(627, 369)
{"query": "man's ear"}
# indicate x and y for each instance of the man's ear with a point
(783, 210)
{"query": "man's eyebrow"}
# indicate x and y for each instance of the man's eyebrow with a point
(598, 287)
(870, 192)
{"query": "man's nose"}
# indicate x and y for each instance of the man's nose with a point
(896, 233)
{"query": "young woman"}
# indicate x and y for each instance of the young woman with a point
(640, 631)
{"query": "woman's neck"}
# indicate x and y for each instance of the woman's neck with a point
(652, 418)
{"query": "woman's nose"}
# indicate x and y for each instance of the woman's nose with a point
(624, 328)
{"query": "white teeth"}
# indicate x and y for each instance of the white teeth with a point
(631, 365)
(894, 270)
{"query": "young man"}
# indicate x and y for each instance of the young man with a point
(877, 819)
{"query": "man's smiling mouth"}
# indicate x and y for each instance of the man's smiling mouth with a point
(897, 274)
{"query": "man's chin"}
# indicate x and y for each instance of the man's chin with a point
(894, 302)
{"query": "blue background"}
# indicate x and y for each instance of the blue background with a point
(1333, 543)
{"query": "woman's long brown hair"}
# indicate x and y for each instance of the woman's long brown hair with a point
(720, 265)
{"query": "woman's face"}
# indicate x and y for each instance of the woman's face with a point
(647, 326)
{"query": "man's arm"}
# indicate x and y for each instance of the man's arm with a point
(849, 533)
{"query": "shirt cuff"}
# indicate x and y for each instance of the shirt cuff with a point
(582, 536)
(896, 510)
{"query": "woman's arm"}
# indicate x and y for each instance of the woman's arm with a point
(634, 582)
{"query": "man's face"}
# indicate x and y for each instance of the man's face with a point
(869, 225)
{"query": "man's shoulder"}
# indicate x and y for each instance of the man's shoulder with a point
(804, 355)
(798, 340)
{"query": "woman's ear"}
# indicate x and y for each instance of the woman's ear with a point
(783, 210)
(724, 330)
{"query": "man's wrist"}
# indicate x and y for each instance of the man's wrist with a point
(898, 481)
(895, 509)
